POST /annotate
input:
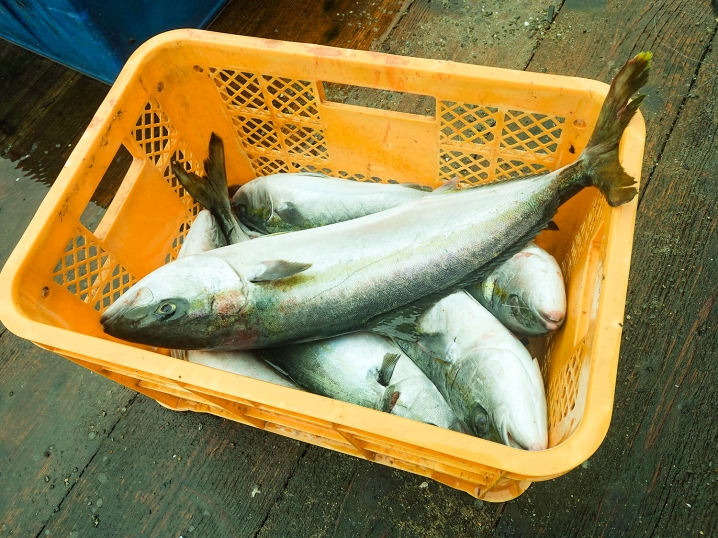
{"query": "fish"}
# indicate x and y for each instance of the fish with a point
(489, 378)
(486, 375)
(292, 202)
(360, 368)
(378, 272)
(526, 292)
(365, 369)
(244, 363)
(204, 235)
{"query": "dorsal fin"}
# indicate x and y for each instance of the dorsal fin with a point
(416, 186)
(309, 174)
(451, 185)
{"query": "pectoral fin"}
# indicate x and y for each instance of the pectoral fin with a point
(389, 401)
(401, 323)
(276, 269)
(289, 213)
(387, 368)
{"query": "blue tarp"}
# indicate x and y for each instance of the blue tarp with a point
(96, 37)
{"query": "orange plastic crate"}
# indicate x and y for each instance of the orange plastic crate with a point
(266, 100)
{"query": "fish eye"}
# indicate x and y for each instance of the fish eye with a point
(481, 422)
(166, 308)
(513, 303)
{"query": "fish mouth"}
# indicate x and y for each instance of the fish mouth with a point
(511, 441)
(531, 447)
(552, 319)
(125, 306)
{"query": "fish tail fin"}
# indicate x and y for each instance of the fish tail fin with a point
(214, 164)
(601, 153)
(211, 192)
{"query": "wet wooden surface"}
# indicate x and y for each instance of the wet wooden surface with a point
(70, 438)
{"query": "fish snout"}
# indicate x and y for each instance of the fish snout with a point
(552, 319)
(127, 304)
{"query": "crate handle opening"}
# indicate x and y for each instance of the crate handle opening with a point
(106, 190)
(393, 101)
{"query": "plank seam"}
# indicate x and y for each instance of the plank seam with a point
(557, 10)
(82, 472)
(402, 11)
(497, 518)
(344, 500)
(694, 80)
(281, 495)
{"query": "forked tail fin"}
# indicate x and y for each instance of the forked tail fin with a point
(212, 192)
(601, 153)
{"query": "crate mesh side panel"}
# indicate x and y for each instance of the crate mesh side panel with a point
(157, 136)
(277, 120)
(178, 239)
(467, 125)
(586, 230)
(563, 388)
(534, 134)
(292, 99)
(482, 143)
(90, 273)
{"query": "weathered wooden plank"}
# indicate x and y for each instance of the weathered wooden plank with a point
(656, 473)
(54, 415)
(164, 473)
(28, 84)
(334, 495)
(44, 110)
(484, 33)
(353, 24)
(593, 39)
(465, 31)
(48, 134)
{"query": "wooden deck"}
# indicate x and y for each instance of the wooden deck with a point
(81, 456)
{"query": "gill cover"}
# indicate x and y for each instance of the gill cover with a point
(185, 305)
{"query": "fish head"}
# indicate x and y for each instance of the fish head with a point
(253, 205)
(190, 303)
(531, 293)
(506, 401)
